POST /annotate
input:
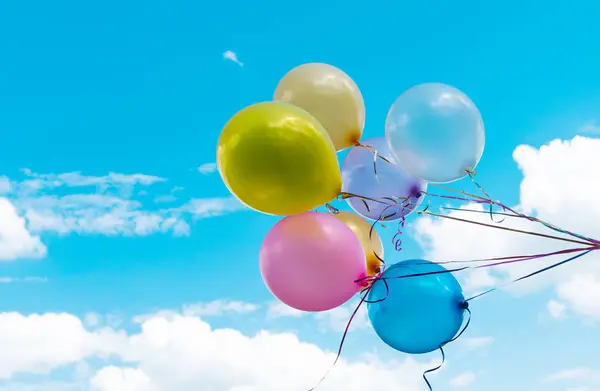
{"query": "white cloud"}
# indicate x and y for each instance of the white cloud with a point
(211, 207)
(219, 307)
(332, 320)
(463, 380)
(590, 127)
(277, 309)
(475, 343)
(98, 214)
(5, 185)
(557, 188)
(43, 386)
(15, 239)
(579, 374)
(99, 205)
(88, 204)
(210, 309)
(207, 168)
(41, 343)
(37, 182)
(556, 309)
(113, 378)
(232, 56)
(11, 280)
(337, 318)
(185, 353)
(582, 291)
(91, 319)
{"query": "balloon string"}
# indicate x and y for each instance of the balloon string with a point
(376, 155)
(465, 196)
(591, 245)
(441, 349)
(534, 219)
(465, 303)
(372, 229)
(511, 260)
(397, 239)
(332, 209)
(522, 257)
(344, 335)
(465, 306)
(345, 195)
(532, 274)
(587, 242)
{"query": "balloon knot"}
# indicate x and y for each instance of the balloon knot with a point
(464, 305)
(415, 191)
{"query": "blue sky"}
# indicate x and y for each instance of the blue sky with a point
(143, 88)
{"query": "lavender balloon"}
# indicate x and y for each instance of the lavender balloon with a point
(358, 177)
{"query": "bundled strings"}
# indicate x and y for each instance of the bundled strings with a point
(585, 245)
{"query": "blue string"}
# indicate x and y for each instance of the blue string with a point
(434, 369)
(465, 305)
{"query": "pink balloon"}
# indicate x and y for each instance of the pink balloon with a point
(311, 261)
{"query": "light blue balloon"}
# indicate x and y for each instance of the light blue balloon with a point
(420, 313)
(391, 183)
(435, 133)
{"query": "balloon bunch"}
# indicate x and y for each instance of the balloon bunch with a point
(279, 158)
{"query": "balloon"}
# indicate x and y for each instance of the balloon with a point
(276, 158)
(435, 133)
(358, 177)
(369, 240)
(331, 96)
(311, 261)
(420, 313)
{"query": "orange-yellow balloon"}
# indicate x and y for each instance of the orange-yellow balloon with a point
(278, 159)
(371, 242)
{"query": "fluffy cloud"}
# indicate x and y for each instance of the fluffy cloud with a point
(555, 309)
(219, 307)
(474, 343)
(11, 280)
(332, 320)
(185, 353)
(556, 187)
(5, 185)
(210, 309)
(41, 343)
(36, 182)
(232, 56)
(112, 204)
(590, 127)
(463, 380)
(580, 374)
(98, 214)
(15, 239)
(207, 168)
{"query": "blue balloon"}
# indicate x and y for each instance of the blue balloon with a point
(420, 313)
(435, 133)
(358, 177)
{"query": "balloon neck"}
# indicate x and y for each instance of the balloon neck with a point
(464, 305)
(416, 192)
(354, 137)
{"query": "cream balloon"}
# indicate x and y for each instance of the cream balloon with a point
(370, 240)
(331, 96)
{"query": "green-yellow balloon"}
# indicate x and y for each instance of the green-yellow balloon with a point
(278, 159)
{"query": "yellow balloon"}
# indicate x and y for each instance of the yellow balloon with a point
(276, 158)
(331, 96)
(371, 242)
